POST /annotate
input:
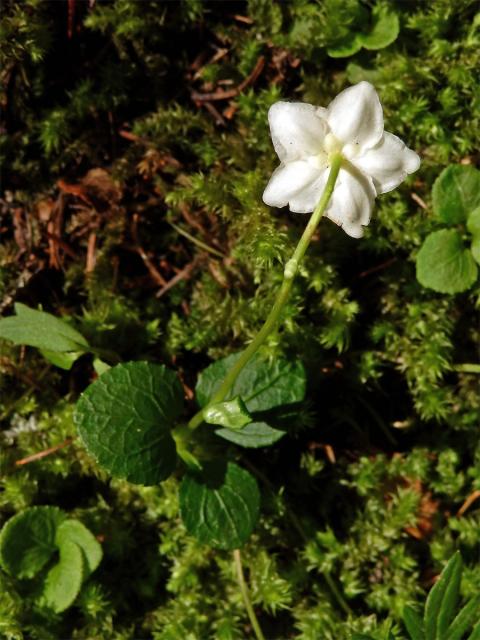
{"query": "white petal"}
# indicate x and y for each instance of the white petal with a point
(388, 163)
(287, 181)
(297, 131)
(352, 202)
(356, 116)
(306, 200)
(321, 112)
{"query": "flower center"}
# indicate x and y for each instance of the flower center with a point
(332, 145)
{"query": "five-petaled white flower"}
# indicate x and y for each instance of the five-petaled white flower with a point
(305, 137)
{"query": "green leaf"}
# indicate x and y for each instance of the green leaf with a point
(347, 46)
(261, 384)
(413, 623)
(62, 359)
(254, 435)
(464, 620)
(125, 419)
(385, 29)
(475, 635)
(232, 414)
(456, 193)
(475, 249)
(450, 596)
(473, 222)
(75, 531)
(63, 582)
(356, 73)
(361, 636)
(443, 263)
(100, 366)
(220, 505)
(27, 541)
(473, 225)
(41, 330)
(441, 597)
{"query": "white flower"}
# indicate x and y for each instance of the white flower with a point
(305, 137)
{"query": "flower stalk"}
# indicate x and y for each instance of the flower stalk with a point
(291, 270)
(246, 596)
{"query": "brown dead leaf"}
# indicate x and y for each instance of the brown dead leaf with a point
(20, 229)
(96, 189)
(426, 511)
(44, 209)
(101, 189)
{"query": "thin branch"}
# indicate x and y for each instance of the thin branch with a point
(219, 120)
(184, 274)
(91, 252)
(416, 198)
(468, 503)
(379, 267)
(43, 454)
(231, 93)
(152, 270)
(196, 241)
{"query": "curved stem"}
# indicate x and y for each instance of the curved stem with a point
(336, 592)
(291, 269)
(246, 596)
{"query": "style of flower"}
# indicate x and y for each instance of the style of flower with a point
(305, 137)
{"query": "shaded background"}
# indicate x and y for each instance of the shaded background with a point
(119, 118)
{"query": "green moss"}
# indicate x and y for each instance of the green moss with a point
(384, 397)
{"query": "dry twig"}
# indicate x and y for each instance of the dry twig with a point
(153, 271)
(184, 274)
(44, 454)
(231, 93)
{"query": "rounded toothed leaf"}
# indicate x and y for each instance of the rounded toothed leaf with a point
(384, 31)
(252, 436)
(220, 504)
(125, 419)
(444, 264)
(75, 531)
(456, 193)
(64, 580)
(473, 222)
(262, 384)
(27, 541)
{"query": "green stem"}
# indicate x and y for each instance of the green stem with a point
(467, 368)
(246, 596)
(338, 596)
(199, 243)
(291, 269)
